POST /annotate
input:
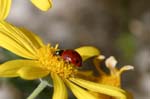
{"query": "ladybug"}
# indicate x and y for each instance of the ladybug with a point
(70, 56)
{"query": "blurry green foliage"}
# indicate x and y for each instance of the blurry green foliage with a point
(126, 45)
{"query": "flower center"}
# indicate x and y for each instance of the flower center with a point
(49, 61)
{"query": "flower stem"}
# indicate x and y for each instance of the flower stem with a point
(36, 92)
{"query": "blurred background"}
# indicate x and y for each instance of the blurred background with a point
(119, 28)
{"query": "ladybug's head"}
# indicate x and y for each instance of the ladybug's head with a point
(59, 52)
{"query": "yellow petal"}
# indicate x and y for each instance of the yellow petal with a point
(13, 39)
(88, 75)
(60, 91)
(100, 88)
(10, 68)
(79, 92)
(87, 52)
(32, 72)
(4, 8)
(43, 5)
(32, 36)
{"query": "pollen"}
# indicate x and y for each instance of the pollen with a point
(50, 62)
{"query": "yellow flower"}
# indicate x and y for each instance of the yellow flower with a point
(43, 5)
(112, 79)
(4, 8)
(39, 61)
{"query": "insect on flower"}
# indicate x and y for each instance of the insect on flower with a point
(70, 56)
(40, 60)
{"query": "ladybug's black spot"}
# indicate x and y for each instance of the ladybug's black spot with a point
(77, 61)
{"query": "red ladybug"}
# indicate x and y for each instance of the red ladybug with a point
(70, 56)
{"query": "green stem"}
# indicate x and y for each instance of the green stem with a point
(36, 92)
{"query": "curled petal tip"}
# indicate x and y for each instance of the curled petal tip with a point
(130, 67)
(101, 57)
(125, 68)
